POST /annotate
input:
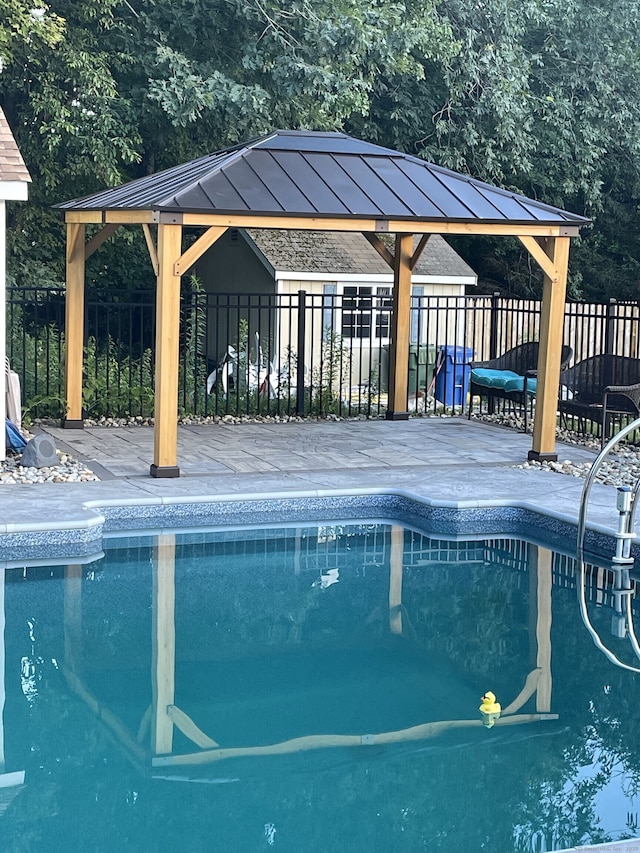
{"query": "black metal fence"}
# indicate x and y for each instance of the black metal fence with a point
(294, 353)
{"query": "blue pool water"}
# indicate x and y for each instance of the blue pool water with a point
(151, 697)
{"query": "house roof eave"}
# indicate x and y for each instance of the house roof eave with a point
(14, 190)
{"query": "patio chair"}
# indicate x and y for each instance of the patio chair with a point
(599, 388)
(511, 376)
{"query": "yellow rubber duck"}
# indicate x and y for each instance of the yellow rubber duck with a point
(489, 709)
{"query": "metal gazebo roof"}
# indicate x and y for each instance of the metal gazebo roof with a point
(289, 173)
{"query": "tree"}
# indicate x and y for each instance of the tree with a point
(540, 99)
(130, 88)
(537, 96)
(76, 132)
(309, 63)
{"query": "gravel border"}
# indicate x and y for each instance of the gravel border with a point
(621, 468)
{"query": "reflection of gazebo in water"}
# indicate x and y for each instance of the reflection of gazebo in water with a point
(312, 182)
(149, 740)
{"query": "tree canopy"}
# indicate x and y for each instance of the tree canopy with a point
(538, 96)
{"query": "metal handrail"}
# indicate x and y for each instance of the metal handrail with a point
(623, 549)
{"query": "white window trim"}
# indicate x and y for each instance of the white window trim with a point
(372, 339)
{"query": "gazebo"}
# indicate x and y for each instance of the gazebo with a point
(319, 182)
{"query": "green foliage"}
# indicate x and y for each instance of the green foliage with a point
(192, 378)
(538, 96)
(75, 130)
(115, 384)
(328, 378)
(36, 352)
(62, 98)
(27, 22)
(540, 99)
(308, 63)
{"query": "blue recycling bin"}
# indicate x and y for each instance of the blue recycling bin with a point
(453, 372)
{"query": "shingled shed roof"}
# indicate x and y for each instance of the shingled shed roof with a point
(326, 252)
(12, 167)
(308, 173)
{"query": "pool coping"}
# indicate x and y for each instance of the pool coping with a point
(82, 536)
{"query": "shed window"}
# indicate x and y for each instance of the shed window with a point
(366, 312)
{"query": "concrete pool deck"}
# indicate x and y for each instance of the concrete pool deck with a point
(450, 460)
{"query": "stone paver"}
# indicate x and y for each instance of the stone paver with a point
(444, 459)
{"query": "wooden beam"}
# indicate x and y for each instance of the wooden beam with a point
(304, 744)
(400, 330)
(74, 324)
(419, 250)
(539, 255)
(163, 642)
(318, 223)
(129, 217)
(165, 448)
(395, 579)
(145, 724)
(114, 724)
(197, 249)
(380, 247)
(88, 217)
(550, 352)
(530, 685)
(98, 239)
(72, 617)
(368, 225)
(122, 217)
(188, 728)
(75, 240)
(543, 627)
(151, 246)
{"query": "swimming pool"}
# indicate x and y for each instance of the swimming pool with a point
(312, 687)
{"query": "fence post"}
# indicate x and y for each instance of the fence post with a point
(609, 329)
(302, 321)
(493, 329)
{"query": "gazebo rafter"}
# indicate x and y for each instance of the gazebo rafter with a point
(313, 182)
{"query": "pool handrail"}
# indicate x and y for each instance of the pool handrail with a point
(622, 558)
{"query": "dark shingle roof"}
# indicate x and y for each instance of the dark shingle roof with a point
(12, 167)
(325, 252)
(317, 174)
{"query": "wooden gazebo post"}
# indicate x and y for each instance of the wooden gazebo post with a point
(400, 328)
(402, 261)
(163, 666)
(74, 324)
(165, 446)
(552, 253)
(77, 253)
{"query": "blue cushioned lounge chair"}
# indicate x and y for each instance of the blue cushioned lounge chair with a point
(511, 376)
